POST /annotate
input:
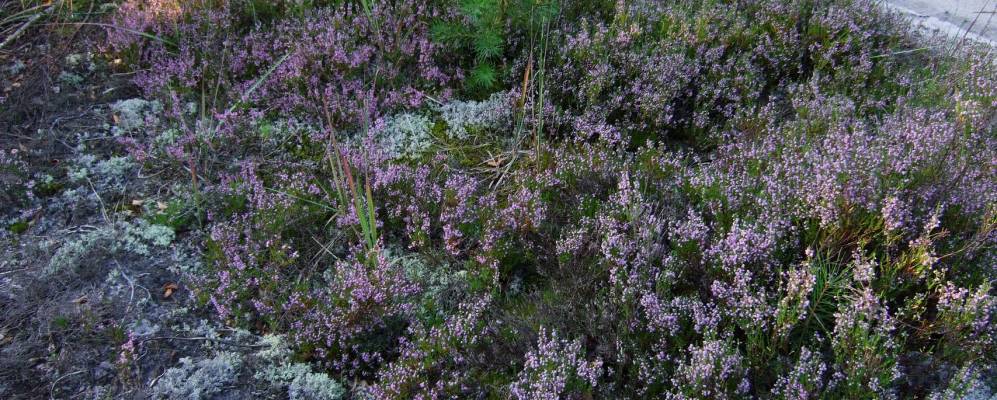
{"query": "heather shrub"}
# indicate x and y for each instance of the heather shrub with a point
(219, 69)
(555, 369)
(348, 312)
(865, 351)
(441, 352)
(250, 254)
(353, 321)
(305, 59)
(764, 200)
(965, 321)
(713, 371)
(698, 71)
(804, 381)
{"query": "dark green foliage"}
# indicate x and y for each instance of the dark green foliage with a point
(489, 30)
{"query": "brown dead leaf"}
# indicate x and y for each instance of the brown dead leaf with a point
(81, 300)
(169, 289)
(496, 162)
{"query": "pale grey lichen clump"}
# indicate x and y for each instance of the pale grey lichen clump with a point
(137, 237)
(100, 175)
(405, 135)
(141, 234)
(132, 114)
(71, 79)
(300, 381)
(82, 60)
(462, 116)
(198, 380)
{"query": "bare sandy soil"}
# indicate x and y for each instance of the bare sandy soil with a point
(974, 19)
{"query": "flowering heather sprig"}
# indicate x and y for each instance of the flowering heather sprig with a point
(863, 269)
(794, 306)
(457, 210)
(324, 63)
(865, 348)
(633, 241)
(966, 321)
(743, 300)
(435, 364)
(126, 354)
(681, 70)
(691, 230)
(805, 381)
(743, 245)
(553, 367)
(364, 295)
(895, 214)
(713, 370)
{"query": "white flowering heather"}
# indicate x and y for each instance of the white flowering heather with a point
(465, 116)
(553, 367)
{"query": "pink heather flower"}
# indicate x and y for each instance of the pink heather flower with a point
(863, 269)
(692, 229)
(714, 370)
(895, 214)
(126, 354)
(550, 366)
(805, 380)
